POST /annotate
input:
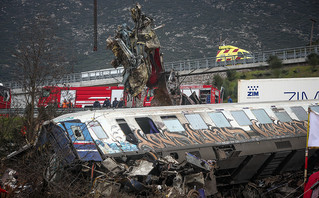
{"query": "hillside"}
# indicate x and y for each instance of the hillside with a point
(192, 28)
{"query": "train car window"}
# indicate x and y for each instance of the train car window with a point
(172, 123)
(219, 119)
(282, 116)
(261, 116)
(315, 108)
(241, 118)
(46, 92)
(77, 131)
(130, 137)
(98, 130)
(300, 113)
(150, 93)
(147, 125)
(196, 121)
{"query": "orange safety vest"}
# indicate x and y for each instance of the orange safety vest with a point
(64, 105)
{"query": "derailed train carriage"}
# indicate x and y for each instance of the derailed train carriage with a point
(232, 143)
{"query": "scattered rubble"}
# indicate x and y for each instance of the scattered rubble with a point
(160, 177)
(163, 177)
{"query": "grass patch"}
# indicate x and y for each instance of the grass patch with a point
(11, 137)
(299, 71)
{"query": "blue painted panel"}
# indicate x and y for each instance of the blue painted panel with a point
(83, 142)
(122, 147)
(84, 133)
(90, 156)
(61, 144)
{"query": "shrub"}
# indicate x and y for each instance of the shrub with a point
(276, 73)
(217, 81)
(231, 75)
(274, 62)
(227, 89)
(243, 76)
(313, 60)
(11, 136)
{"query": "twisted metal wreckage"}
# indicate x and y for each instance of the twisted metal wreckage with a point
(138, 50)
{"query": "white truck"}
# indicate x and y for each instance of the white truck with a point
(278, 89)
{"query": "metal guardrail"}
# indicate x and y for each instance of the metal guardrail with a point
(257, 57)
(185, 65)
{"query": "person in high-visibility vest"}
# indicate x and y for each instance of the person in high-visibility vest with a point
(65, 104)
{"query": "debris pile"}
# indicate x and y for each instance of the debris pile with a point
(146, 175)
(138, 50)
(9, 183)
(162, 177)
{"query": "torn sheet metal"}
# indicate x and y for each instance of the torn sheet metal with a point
(112, 166)
(9, 178)
(21, 150)
(104, 188)
(169, 159)
(199, 163)
(196, 179)
(143, 168)
(138, 51)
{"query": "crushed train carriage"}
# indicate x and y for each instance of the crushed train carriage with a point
(226, 144)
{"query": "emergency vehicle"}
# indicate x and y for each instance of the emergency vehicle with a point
(207, 94)
(5, 97)
(80, 97)
(229, 53)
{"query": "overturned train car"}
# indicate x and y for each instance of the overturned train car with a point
(245, 141)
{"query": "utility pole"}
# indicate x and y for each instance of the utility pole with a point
(313, 23)
(95, 25)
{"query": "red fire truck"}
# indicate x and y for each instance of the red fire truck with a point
(5, 97)
(80, 97)
(206, 93)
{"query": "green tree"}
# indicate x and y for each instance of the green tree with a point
(313, 60)
(227, 89)
(231, 74)
(235, 91)
(217, 81)
(274, 62)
